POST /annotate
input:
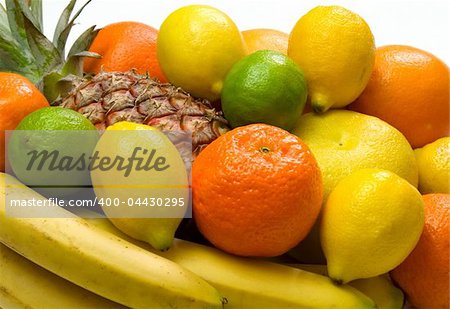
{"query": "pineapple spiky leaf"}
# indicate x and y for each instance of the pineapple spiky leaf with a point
(25, 9)
(63, 21)
(45, 54)
(84, 41)
(9, 59)
(65, 25)
(15, 21)
(36, 10)
(57, 84)
(24, 49)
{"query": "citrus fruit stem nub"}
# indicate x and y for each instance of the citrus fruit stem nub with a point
(217, 87)
(264, 149)
(320, 104)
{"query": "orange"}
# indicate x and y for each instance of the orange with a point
(257, 191)
(125, 46)
(18, 98)
(409, 89)
(258, 39)
(425, 275)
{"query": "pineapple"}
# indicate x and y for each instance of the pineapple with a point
(107, 97)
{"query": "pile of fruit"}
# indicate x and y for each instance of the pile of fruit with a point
(319, 164)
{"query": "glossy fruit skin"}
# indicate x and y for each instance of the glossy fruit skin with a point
(125, 46)
(197, 46)
(424, 275)
(433, 161)
(345, 141)
(409, 89)
(100, 262)
(380, 288)
(257, 191)
(261, 39)
(20, 277)
(254, 283)
(336, 50)
(52, 129)
(154, 225)
(264, 87)
(374, 215)
(18, 98)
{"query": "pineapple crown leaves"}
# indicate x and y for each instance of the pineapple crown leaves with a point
(25, 50)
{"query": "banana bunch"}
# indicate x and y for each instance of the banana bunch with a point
(380, 288)
(22, 284)
(109, 269)
(250, 283)
(96, 260)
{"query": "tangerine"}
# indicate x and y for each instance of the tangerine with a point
(124, 46)
(424, 275)
(257, 191)
(260, 39)
(18, 98)
(409, 89)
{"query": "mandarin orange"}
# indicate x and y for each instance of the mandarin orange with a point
(257, 191)
(18, 98)
(424, 275)
(409, 89)
(125, 46)
(260, 39)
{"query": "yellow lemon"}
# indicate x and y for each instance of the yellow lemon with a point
(371, 222)
(141, 182)
(345, 141)
(197, 45)
(434, 166)
(336, 50)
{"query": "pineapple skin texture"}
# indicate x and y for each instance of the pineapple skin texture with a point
(110, 97)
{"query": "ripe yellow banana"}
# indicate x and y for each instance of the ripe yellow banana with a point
(7, 301)
(249, 283)
(98, 261)
(24, 284)
(380, 288)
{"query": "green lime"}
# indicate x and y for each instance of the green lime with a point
(55, 118)
(264, 87)
(50, 149)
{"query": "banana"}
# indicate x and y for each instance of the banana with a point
(24, 284)
(250, 283)
(380, 288)
(98, 261)
(7, 301)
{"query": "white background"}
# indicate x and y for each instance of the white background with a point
(424, 24)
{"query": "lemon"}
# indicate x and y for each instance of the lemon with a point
(146, 202)
(345, 141)
(336, 50)
(264, 87)
(197, 45)
(371, 222)
(434, 166)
